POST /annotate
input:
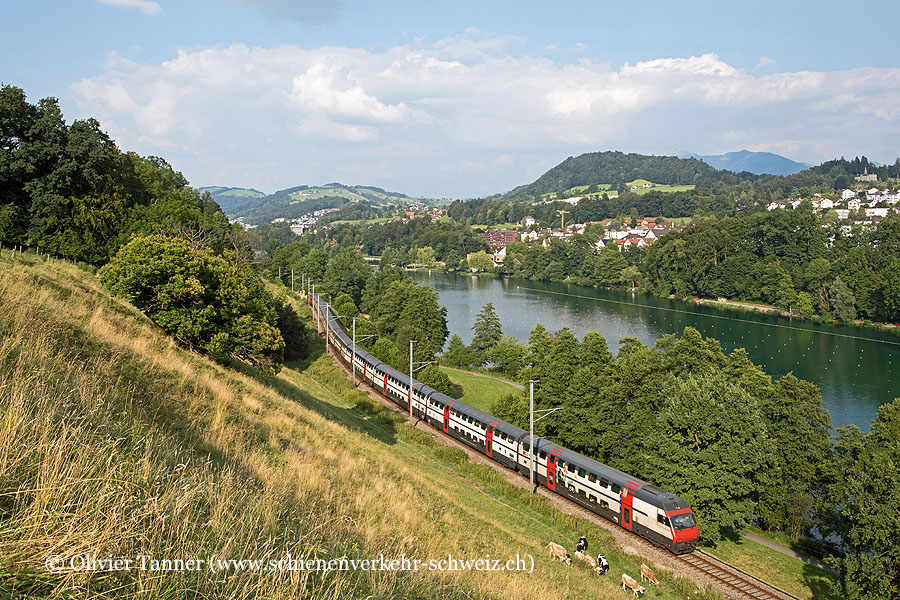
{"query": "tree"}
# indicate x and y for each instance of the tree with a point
(205, 301)
(386, 351)
(457, 353)
(405, 303)
(709, 442)
(842, 300)
(800, 430)
(488, 332)
(630, 275)
(294, 333)
(508, 355)
(425, 256)
(869, 502)
(481, 261)
(512, 408)
(436, 378)
(347, 272)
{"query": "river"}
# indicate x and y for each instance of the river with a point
(853, 366)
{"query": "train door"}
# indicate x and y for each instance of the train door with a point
(489, 441)
(365, 369)
(551, 472)
(625, 503)
(447, 418)
(384, 389)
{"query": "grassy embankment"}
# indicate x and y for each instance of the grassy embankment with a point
(119, 443)
(789, 574)
(480, 392)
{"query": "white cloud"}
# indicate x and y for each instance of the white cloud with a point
(443, 119)
(145, 6)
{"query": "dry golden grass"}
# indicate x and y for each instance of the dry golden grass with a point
(116, 442)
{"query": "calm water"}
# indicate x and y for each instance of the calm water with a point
(853, 366)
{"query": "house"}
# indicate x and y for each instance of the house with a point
(853, 204)
(634, 187)
(530, 236)
(499, 256)
(528, 221)
(847, 194)
(879, 210)
(647, 186)
(842, 213)
(873, 194)
(826, 203)
(890, 197)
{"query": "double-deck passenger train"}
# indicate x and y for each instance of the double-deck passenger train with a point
(653, 513)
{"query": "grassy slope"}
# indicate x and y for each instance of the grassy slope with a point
(479, 392)
(791, 575)
(115, 441)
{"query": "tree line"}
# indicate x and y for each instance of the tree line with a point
(68, 190)
(740, 447)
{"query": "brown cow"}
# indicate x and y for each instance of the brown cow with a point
(587, 558)
(560, 553)
(636, 588)
(648, 573)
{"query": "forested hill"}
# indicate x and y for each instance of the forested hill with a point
(615, 168)
(300, 200)
(229, 197)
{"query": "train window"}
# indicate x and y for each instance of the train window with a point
(593, 498)
(615, 488)
(591, 477)
(561, 464)
(543, 454)
(581, 472)
(626, 516)
(604, 504)
(570, 468)
(581, 493)
(662, 520)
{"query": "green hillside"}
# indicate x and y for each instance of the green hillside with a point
(229, 197)
(118, 442)
(295, 202)
(606, 170)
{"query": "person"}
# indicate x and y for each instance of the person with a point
(582, 545)
(602, 564)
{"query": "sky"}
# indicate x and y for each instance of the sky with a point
(458, 99)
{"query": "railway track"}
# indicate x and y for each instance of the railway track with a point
(729, 580)
(736, 583)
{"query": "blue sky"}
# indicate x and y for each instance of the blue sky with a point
(458, 99)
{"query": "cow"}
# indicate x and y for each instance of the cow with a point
(636, 588)
(586, 558)
(560, 553)
(648, 573)
(582, 545)
(602, 565)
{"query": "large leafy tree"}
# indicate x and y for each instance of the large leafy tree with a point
(204, 300)
(710, 444)
(869, 503)
(404, 303)
(800, 430)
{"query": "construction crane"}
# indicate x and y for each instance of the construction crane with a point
(563, 214)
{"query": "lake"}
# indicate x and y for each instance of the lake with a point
(853, 366)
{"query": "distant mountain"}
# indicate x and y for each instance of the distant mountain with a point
(614, 168)
(758, 163)
(295, 202)
(229, 197)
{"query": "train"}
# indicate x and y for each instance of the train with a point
(657, 515)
